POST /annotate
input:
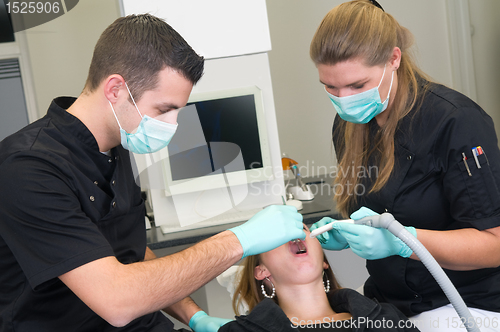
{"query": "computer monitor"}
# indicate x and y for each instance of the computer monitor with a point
(221, 142)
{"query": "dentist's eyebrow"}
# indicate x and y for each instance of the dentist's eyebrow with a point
(168, 105)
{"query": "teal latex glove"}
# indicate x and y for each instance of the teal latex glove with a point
(373, 243)
(201, 322)
(269, 229)
(331, 240)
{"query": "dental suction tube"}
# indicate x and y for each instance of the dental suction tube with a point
(387, 221)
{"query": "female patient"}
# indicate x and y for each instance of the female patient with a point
(294, 287)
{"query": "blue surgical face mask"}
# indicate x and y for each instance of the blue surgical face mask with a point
(361, 107)
(152, 135)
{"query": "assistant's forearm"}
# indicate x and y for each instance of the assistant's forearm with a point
(462, 249)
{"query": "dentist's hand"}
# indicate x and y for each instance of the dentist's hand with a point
(372, 243)
(201, 322)
(331, 240)
(269, 229)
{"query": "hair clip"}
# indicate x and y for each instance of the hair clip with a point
(376, 4)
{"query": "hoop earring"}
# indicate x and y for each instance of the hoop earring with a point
(327, 286)
(264, 289)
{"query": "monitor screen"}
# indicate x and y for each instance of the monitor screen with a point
(231, 119)
(219, 133)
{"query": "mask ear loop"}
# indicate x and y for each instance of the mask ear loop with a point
(390, 87)
(115, 114)
(383, 74)
(137, 108)
(392, 79)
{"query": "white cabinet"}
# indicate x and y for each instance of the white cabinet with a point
(215, 28)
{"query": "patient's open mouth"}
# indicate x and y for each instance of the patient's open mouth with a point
(298, 247)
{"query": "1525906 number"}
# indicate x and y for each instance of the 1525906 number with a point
(32, 7)
(481, 322)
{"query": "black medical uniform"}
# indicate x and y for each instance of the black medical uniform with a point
(64, 204)
(431, 188)
(367, 316)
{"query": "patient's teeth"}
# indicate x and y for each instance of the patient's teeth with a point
(298, 247)
(301, 247)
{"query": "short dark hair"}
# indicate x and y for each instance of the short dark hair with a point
(137, 47)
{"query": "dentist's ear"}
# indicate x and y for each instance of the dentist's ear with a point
(112, 86)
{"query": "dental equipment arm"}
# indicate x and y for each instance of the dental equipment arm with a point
(387, 221)
(295, 172)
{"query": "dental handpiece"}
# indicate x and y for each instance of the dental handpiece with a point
(379, 221)
(327, 227)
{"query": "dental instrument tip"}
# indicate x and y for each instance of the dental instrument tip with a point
(327, 227)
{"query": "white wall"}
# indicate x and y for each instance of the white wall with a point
(61, 50)
(486, 51)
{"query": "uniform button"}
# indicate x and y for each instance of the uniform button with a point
(96, 183)
(113, 182)
(386, 210)
(409, 157)
(92, 198)
(110, 160)
(117, 157)
(416, 296)
(114, 204)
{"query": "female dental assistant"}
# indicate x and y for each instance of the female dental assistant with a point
(437, 161)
